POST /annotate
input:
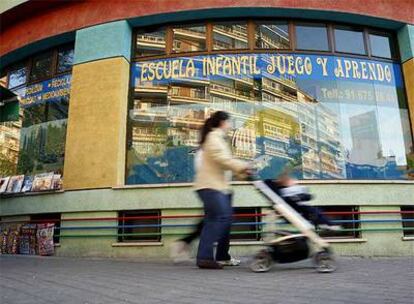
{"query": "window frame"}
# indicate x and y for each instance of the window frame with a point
(254, 237)
(257, 22)
(53, 65)
(407, 216)
(350, 28)
(64, 47)
(315, 24)
(135, 215)
(393, 45)
(28, 64)
(251, 22)
(354, 215)
(181, 26)
(168, 40)
(238, 21)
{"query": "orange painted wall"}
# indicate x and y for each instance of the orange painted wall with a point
(37, 20)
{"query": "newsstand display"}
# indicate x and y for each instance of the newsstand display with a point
(30, 239)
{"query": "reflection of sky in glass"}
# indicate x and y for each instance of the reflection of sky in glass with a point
(17, 77)
(380, 46)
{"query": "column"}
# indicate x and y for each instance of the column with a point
(96, 135)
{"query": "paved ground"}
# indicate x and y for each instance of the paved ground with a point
(37, 280)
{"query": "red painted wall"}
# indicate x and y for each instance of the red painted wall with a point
(36, 20)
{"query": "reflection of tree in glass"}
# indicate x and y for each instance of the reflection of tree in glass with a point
(42, 148)
(7, 166)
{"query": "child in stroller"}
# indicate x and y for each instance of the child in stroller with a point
(288, 199)
(297, 197)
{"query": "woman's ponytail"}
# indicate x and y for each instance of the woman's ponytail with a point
(214, 121)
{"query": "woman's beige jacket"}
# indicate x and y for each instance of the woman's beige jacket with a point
(216, 160)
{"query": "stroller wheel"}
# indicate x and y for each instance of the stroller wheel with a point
(262, 262)
(324, 262)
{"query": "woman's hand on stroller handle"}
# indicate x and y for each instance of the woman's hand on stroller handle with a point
(252, 172)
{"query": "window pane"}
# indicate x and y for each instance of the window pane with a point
(312, 37)
(34, 115)
(273, 35)
(189, 39)
(58, 109)
(17, 77)
(65, 60)
(344, 216)
(380, 46)
(349, 41)
(246, 225)
(228, 36)
(407, 217)
(143, 226)
(42, 67)
(151, 43)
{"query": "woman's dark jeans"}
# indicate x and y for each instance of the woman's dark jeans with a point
(218, 214)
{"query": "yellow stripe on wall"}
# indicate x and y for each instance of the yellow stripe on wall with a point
(95, 140)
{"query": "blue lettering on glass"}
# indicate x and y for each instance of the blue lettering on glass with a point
(314, 67)
(52, 90)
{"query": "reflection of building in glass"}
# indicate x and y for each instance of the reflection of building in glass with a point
(148, 141)
(238, 97)
(276, 131)
(272, 36)
(319, 130)
(330, 152)
(151, 43)
(366, 147)
(366, 158)
(189, 39)
(229, 36)
(272, 120)
(9, 145)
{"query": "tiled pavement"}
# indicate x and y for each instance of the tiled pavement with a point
(57, 280)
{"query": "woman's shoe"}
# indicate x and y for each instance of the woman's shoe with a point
(180, 252)
(231, 262)
(208, 264)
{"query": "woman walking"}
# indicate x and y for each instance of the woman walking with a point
(212, 186)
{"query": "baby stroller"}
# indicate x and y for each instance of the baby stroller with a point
(288, 247)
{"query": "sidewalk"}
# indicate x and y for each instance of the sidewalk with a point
(35, 280)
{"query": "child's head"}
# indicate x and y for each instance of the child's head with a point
(285, 179)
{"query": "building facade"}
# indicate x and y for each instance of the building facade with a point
(112, 101)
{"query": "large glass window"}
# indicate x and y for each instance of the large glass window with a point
(348, 40)
(381, 46)
(230, 35)
(189, 39)
(319, 116)
(272, 35)
(312, 37)
(150, 43)
(36, 142)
